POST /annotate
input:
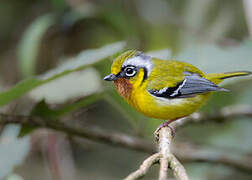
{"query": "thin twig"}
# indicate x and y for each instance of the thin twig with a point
(165, 157)
(144, 168)
(168, 159)
(179, 171)
(165, 138)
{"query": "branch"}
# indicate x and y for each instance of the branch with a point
(144, 168)
(192, 153)
(165, 157)
(226, 113)
(178, 169)
(168, 159)
(184, 151)
(165, 138)
(92, 133)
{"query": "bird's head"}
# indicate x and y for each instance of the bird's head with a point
(129, 70)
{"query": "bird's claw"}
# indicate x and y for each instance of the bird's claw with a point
(165, 124)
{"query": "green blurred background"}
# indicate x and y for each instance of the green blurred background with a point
(54, 53)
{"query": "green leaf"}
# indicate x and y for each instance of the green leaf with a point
(18, 90)
(84, 102)
(84, 60)
(69, 87)
(25, 130)
(42, 109)
(30, 43)
(59, 4)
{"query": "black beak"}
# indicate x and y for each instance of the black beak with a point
(110, 77)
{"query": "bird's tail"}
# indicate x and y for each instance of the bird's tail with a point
(219, 77)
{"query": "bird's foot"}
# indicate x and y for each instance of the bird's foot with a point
(165, 124)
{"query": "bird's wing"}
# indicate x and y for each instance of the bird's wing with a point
(191, 85)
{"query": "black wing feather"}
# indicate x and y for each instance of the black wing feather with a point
(189, 87)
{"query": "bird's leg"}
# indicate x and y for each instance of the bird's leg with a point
(165, 124)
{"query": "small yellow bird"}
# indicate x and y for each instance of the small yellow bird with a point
(163, 89)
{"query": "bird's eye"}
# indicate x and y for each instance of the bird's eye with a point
(130, 71)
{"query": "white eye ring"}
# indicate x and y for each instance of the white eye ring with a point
(130, 71)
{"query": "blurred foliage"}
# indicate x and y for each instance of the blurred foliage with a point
(30, 44)
(8, 148)
(84, 60)
(54, 54)
(14, 177)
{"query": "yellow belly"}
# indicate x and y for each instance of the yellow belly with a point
(167, 109)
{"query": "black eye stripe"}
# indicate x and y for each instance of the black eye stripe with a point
(130, 74)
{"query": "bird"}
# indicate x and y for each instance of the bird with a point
(164, 89)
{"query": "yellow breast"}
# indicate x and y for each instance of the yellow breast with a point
(158, 107)
(162, 108)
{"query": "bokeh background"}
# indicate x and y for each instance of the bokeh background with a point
(54, 53)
